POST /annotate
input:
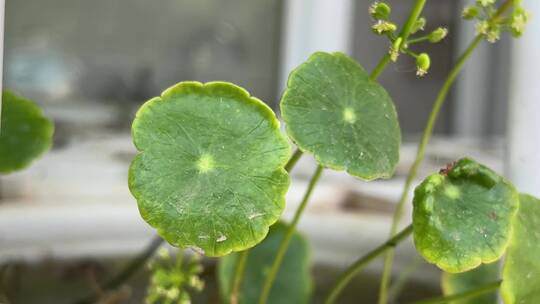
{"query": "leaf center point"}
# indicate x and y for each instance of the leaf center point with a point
(349, 116)
(205, 163)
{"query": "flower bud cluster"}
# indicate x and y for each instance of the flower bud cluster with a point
(491, 23)
(380, 12)
(173, 278)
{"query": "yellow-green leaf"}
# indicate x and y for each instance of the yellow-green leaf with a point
(463, 215)
(521, 273)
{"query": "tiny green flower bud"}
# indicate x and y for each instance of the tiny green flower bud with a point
(163, 253)
(470, 12)
(380, 10)
(482, 28)
(418, 25)
(383, 27)
(394, 49)
(519, 20)
(423, 62)
(485, 3)
(494, 34)
(173, 293)
(438, 35)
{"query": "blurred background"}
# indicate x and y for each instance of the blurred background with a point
(70, 220)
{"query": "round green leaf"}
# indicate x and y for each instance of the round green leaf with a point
(293, 281)
(462, 216)
(521, 273)
(209, 174)
(25, 133)
(345, 120)
(454, 283)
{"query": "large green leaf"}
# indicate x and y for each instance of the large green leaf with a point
(454, 283)
(462, 216)
(293, 281)
(345, 120)
(209, 174)
(25, 133)
(521, 273)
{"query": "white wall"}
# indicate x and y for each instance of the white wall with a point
(524, 114)
(314, 25)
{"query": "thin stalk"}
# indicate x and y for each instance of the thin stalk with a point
(238, 276)
(467, 295)
(240, 267)
(285, 243)
(380, 67)
(418, 40)
(355, 268)
(134, 265)
(397, 287)
(426, 136)
(294, 159)
(292, 162)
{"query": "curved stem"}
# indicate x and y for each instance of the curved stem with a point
(294, 159)
(467, 295)
(239, 275)
(426, 136)
(134, 265)
(288, 236)
(355, 268)
(380, 67)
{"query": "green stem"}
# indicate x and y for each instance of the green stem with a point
(294, 159)
(288, 236)
(292, 162)
(355, 268)
(240, 267)
(467, 295)
(380, 67)
(426, 136)
(418, 40)
(401, 281)
(238, 276)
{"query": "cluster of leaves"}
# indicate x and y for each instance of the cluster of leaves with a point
(211, 174)
(380, 12)
(490, 25)
(172, 279)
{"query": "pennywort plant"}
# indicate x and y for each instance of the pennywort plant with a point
(213, 170)
(212, 173)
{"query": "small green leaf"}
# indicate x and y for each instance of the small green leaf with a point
(25, 133)
(462, 216)
(293, 281)
(210, 173)
(521, 273)
(345, 120)
(454, 283)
